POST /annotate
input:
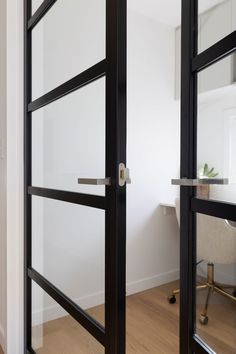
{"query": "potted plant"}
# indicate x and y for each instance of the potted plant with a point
(203, 191)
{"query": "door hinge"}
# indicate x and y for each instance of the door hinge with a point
(124, 177)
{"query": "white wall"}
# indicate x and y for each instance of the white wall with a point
(153, 152)
(73, 146)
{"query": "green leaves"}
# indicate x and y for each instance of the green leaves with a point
(208, 173)
(205, 169)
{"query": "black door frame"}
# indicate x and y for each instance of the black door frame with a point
(113, 67)
(191, 64)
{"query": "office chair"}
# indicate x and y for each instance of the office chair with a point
(216, 243)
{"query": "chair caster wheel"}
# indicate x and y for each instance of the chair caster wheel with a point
(172, 299)
(203, 320)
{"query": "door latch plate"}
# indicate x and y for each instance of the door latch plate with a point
(124, 176)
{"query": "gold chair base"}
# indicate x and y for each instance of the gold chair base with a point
(212, 286)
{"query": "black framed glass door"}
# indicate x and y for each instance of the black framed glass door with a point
(208, 204)
(75, 174)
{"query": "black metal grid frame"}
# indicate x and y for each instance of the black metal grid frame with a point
(113, 67)
(191, 64)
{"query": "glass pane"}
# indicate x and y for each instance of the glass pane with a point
(216, 278)
(68, 40)
(69, 140)
(68, 244)
(216, 20)
(217, 130)
(56, 332)
(35, 5)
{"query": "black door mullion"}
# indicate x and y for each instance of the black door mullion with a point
(188, 170)
(81, 316)
(215, 53)
(198, 347)
(214, 208)
(94, 201)
(86, 77)
(27, 181)
(31, 351)
(115, 251)
(39, 13)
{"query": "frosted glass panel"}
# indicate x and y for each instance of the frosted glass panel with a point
(69, 141)
(68, 243)
(216, 21)
(217, 132)
(68, 40)
(55, 331)
(216, 281)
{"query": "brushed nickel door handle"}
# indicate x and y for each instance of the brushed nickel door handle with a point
(199, 181)
(95, 181)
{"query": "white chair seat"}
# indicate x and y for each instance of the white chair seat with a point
(216, 238)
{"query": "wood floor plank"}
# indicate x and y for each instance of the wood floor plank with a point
(152, 326)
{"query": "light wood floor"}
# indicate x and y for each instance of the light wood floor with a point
(152, 327)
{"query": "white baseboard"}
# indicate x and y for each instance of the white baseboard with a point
(2, 338)
(55, 311)
(151, 282)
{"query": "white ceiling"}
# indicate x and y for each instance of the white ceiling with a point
(166, 11)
